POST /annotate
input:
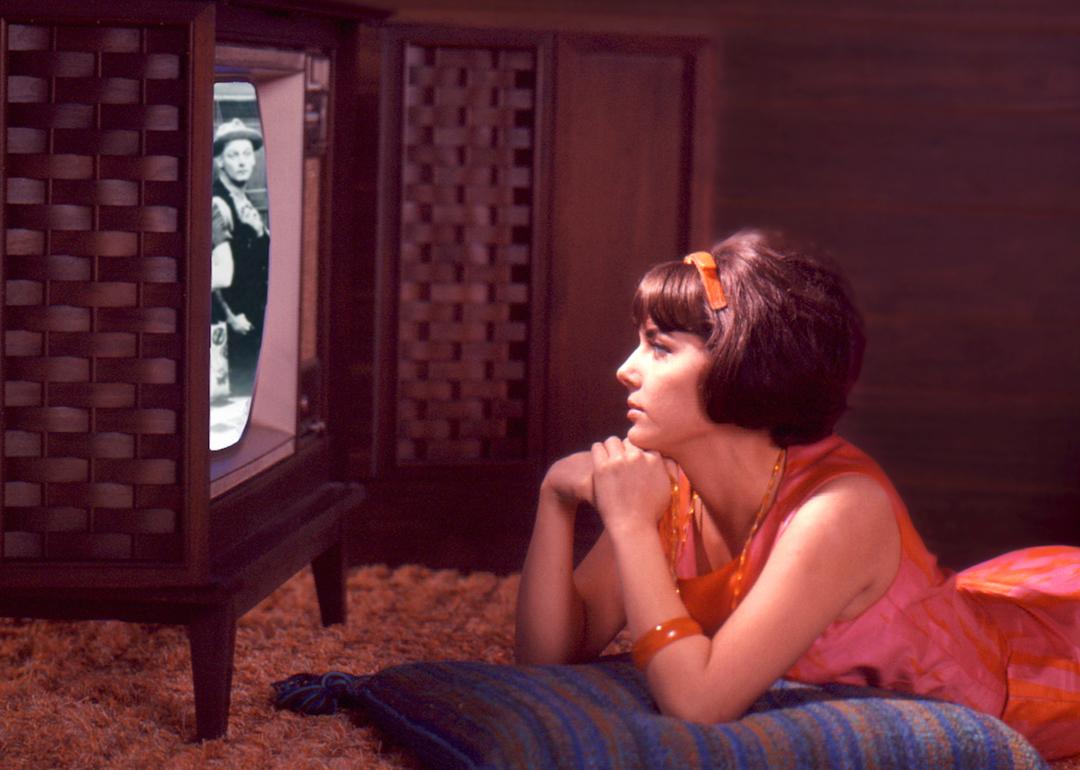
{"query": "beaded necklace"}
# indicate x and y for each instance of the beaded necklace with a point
(675, 526)
(674, 530)
(737, 578)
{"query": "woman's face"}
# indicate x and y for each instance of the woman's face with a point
(663, 376)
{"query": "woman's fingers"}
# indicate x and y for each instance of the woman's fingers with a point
(632, 486)
(614, 449)
(608, 450)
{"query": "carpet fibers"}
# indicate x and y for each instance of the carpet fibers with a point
(105, 694)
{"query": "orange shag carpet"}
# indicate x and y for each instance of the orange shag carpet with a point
(105, 694)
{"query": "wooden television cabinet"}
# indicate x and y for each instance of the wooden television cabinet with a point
(114, 506)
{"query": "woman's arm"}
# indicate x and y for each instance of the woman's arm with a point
(839, 553)
(841, 550)
(563, 614)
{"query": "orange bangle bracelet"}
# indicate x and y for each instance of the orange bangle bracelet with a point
(660, 636)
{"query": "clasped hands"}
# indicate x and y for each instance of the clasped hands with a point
(629, 486)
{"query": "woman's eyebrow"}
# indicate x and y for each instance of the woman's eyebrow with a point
(655, 334)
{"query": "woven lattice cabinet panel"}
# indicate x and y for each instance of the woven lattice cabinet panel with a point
(95, 238)
(468, 135)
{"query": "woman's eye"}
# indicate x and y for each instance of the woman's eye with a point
(659, 348)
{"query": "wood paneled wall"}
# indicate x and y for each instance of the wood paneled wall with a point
(939, 159)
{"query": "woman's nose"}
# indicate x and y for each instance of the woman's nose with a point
(627, 374)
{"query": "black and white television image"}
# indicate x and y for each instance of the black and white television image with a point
(264, 219)
(240, 258)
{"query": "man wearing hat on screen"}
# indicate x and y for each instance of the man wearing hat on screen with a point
(241, 257)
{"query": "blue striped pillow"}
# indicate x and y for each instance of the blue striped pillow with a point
(600, 715)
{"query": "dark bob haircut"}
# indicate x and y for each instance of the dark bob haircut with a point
(785, 351)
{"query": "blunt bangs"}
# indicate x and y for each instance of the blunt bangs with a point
(672, 296)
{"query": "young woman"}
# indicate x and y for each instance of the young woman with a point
(743, 541)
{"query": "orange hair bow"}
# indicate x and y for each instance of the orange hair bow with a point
(706, 267)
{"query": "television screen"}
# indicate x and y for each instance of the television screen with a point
(240, 258)
(257, 260)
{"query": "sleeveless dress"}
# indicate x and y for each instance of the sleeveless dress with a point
(1002, 637)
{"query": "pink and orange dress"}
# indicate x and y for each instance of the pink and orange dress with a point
(1002, 637)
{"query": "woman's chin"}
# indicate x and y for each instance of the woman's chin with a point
(639, 438)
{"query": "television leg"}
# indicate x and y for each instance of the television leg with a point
(329, 570)
(212, 638)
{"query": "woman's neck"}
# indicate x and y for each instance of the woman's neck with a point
(731, 469)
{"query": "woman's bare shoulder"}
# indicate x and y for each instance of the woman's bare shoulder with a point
(848, 521)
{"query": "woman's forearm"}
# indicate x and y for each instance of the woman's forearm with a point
(651, 598)
(550, 612)
(649, 592)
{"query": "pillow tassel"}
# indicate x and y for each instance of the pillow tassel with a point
(313, 694)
